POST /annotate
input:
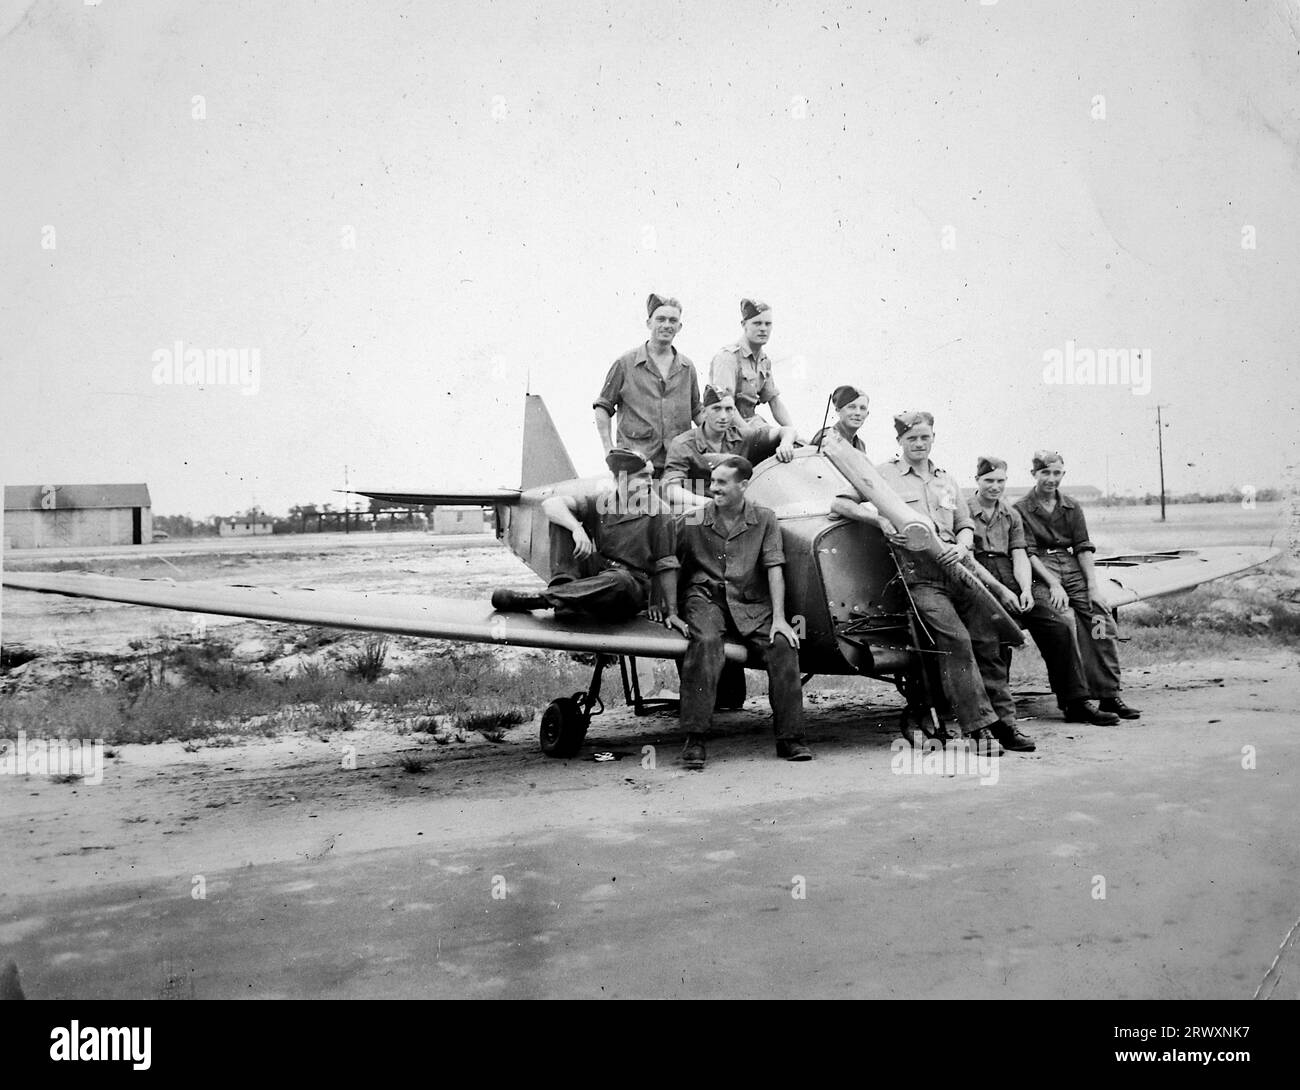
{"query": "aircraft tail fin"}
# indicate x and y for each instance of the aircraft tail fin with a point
(545, 459)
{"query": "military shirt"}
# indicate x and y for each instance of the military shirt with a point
(651, 408)
(1064, 528)
(997, 531)
(735, 565)
(856, 440)
(748, 377)
(629, 534)
(690, 458)
(939, 497)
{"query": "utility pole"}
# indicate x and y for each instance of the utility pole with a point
(1160, 446)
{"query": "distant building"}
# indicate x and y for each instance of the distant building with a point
(244, 526)
(46, 516)
(458, 520)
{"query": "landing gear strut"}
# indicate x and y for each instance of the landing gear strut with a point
(566, 719)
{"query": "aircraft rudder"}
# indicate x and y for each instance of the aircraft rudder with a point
(545, 460)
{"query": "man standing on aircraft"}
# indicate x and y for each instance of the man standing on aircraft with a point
(1001, 547)
(1061, 557)
(732, 562)
(744, 369)
(693, 454)
(970, 659)
(603, 547)
(653, 388)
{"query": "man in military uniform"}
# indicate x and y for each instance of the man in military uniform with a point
(731, 561)
(604, 546)
(970, 659)
(1001, 547)
(1061, 555)
(693, 454)
(853, 407)
(653, 388)
(744, 368)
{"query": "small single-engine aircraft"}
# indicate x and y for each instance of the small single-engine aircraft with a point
(842, 585)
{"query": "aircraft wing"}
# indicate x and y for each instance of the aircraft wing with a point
(1135, 576)
(400, 614)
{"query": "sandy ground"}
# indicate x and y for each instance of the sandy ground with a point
(1139, 861)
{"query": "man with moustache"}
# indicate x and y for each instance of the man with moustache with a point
(1061, 556)
(744, 368)
(731, 561)
(653, 388)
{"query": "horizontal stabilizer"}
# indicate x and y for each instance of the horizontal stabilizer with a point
(487, 498)
(399, 614)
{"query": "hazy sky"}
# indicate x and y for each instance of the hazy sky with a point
(408, 210)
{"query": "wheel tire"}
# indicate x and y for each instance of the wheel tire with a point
(563, 728)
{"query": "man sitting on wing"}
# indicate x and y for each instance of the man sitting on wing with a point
(732, 564)
(603, 547)
(1001, 546)
(693, 454)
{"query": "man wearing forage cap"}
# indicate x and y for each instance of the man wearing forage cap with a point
(744, 369)
(604, 545)
(853, 408)
(653, 388)
(693, 454)
(970, 659)
(1061, 557)
(1001, 546)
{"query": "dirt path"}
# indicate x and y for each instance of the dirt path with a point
(499, 872)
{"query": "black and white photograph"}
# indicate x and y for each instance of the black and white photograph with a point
(747, 500)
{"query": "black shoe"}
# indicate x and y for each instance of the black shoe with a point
(794, 750)
(1085, 711)
(1116, 705)
(514, 601)
(1013, 738)
(986, 742)
(693, 752)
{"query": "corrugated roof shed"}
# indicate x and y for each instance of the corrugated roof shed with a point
(28, 497)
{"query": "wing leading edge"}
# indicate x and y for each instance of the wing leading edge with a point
(398, 614)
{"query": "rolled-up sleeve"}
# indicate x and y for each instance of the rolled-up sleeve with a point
(772, 552)
(667, 542)
(1016, 533)
(1079, 533)
(961, 519)
(611, 394)
(724, 372)
(678, 462)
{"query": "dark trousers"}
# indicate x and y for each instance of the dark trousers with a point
(710, 623)
(1094, 627)
(971, 667)
(1053, 634)
(596, 586)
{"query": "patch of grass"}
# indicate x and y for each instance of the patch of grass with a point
(413, 764)
(494, 724)
(367, 662)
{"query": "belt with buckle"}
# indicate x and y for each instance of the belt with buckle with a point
(1050, 552)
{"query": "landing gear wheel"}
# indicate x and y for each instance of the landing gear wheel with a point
(731, 688)
(564, 726)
